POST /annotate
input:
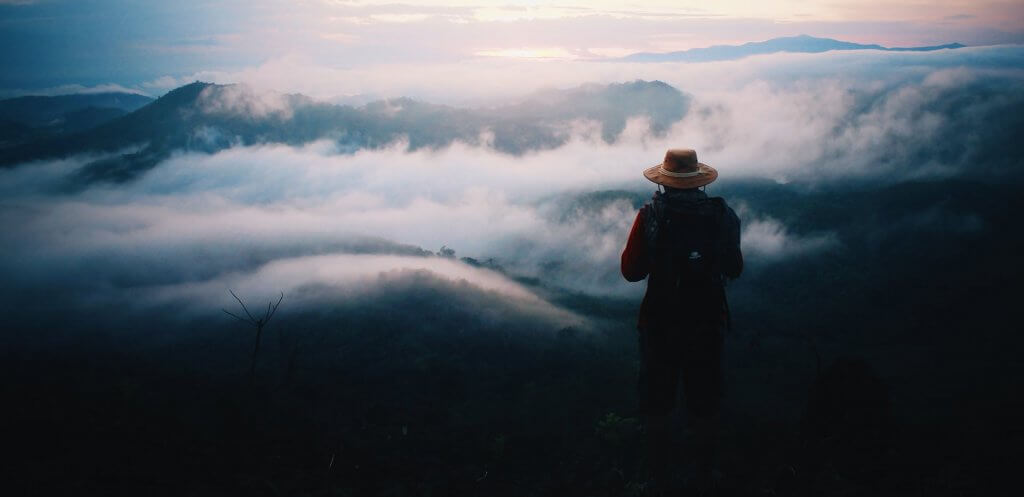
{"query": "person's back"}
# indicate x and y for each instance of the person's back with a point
(686, 244)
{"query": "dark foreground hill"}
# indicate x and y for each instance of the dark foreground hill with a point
(885, 365)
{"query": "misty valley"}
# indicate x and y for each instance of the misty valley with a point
(227, 290)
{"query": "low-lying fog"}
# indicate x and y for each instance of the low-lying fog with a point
(275, 218)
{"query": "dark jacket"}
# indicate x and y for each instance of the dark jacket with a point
(635, 259)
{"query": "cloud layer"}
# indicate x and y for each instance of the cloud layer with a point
(272, 217)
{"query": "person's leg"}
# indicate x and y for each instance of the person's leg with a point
(658, 382)
(702, 385)
(658, 428)
(705, 445)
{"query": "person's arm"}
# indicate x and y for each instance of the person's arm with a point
(634, 257)
(732, 257)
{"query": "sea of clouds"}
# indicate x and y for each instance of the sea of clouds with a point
(274, 218)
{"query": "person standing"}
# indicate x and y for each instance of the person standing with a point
(687, 245)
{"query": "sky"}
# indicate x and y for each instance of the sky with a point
(151, 47)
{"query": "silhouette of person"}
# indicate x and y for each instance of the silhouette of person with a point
(687, 245)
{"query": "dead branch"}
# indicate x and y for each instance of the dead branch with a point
(258, 323)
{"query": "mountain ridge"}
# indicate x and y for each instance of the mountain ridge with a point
(205, 117)
(31, 118)
(790, 44)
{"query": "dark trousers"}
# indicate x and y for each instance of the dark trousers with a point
(687, 352)
(692, 354)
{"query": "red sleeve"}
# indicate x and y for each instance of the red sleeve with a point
(634, 257)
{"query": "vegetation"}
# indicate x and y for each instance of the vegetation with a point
(433, 387)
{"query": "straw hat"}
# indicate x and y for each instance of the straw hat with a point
(680, 169)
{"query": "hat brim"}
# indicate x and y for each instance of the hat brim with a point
(706, 176)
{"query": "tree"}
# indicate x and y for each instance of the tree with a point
(258, 323)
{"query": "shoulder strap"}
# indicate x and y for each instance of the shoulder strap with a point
(654, 214)
(719, 204)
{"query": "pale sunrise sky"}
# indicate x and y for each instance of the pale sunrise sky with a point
(151, 46)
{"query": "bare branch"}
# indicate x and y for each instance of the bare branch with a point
(246, 321)
(244, 308)
(258, 324)
(274, 309)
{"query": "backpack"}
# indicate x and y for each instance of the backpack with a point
(684, 250)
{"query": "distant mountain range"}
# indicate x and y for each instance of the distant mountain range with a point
(205, 118)
(135, 132)
(793, 44)
(25, 119)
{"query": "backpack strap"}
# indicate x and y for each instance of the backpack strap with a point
(719, 204)
(654, 212)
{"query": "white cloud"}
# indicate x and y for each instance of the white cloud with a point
(242, 100)
(72, 89)
(276, 216)
(768, 239)
(347, 276)
(485, 80)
